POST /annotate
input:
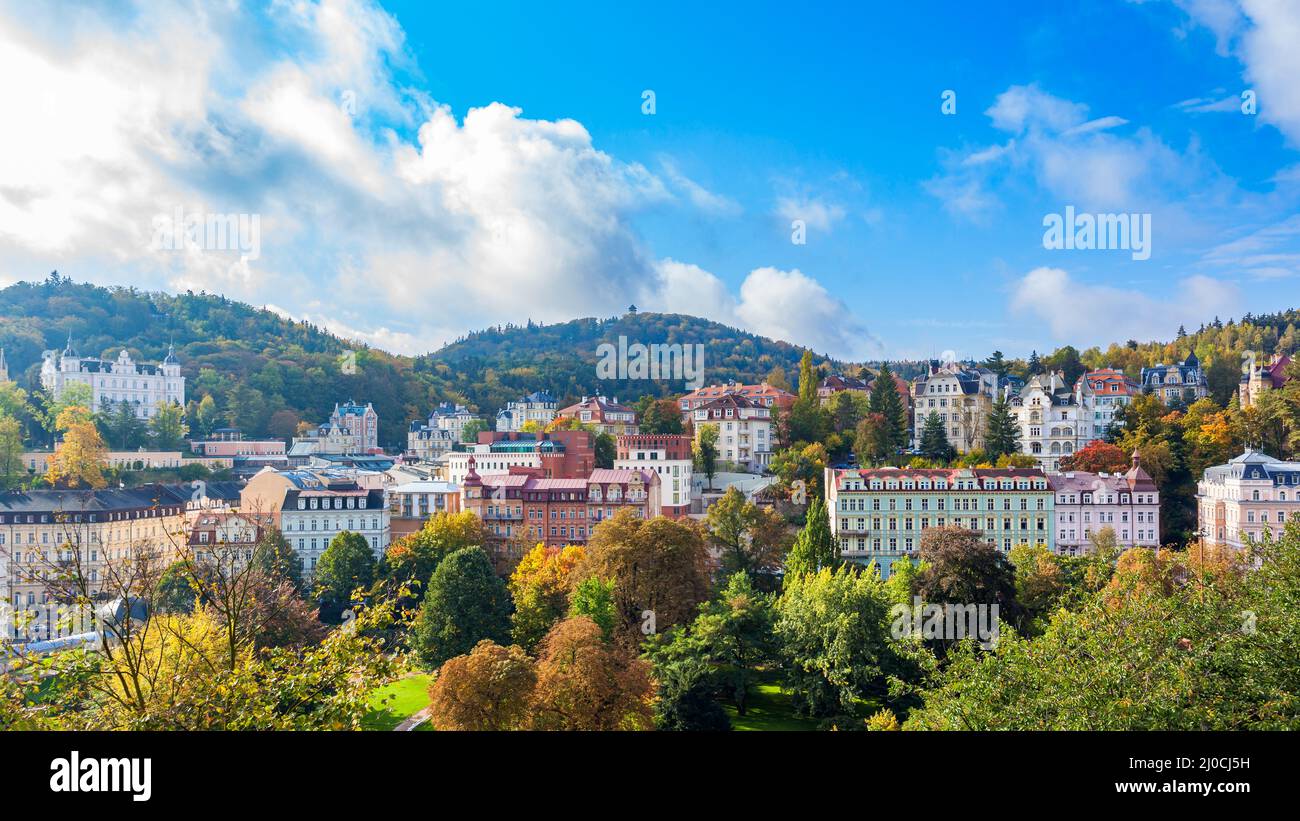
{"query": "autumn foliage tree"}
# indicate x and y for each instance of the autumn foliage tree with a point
(658, 565)
(540, 586)
(491, 688)
(79, 460)
(1097, 457)
(587, 683)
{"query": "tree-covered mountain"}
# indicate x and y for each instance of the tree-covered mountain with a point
(491, 367)
(267, 373)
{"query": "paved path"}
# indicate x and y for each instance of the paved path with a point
(414, 721)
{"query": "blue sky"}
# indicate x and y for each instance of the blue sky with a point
(420, 170)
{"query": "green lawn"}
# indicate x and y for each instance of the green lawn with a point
(768, 709)
(397, 701)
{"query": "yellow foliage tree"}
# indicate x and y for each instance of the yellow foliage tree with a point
(79, 460)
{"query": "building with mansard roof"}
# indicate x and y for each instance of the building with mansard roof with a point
(142, 386)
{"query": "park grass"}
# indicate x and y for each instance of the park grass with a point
(397, 701)
(769, 709)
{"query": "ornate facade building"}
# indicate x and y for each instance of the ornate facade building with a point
(539, 407)
(1055, 420)
(1251, 494)
(1179, 383)
(962, 397)
(360, 423)
(140, 385)
(880, 514)
(1256, 379)
(1086, 503)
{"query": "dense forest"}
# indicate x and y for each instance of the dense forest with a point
(266, 373)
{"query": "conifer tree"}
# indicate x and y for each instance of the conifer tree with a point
(815, 547)
(1002, 431)
(934, 439)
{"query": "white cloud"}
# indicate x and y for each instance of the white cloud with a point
(815, 212)
(1085, 314)
(1069, 156)
(383, 216)
(785, 305)
(1263, 34)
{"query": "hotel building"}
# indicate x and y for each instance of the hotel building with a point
(880, 514)
(1086, 503)
(1251, 494)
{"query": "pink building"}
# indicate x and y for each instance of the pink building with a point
(1127, 503)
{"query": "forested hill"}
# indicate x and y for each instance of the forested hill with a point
(266, 373)
(494, 366)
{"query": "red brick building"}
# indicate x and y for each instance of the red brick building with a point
(521, 509)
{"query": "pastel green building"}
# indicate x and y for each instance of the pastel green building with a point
(879, 514)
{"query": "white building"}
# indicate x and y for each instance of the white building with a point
(669, 456)
(539, 407)
(1055, 421)
(1086, 503)
(1251, 494)
(962, 396)
(311, 507)
(141, 385)
(744, 430)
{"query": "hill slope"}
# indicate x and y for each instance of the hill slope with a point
(266, 372)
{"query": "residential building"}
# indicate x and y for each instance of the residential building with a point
(962, 396)
(880, 514)
(412, 503)
(560, 454)
(311, 507)
(603, 414)
(775, 399)
(1086, 503)
(360, 423)
(744, 429)
(522, 509)
(839, 383)
(223, 535)
(1105, 391)
(538, 407)
(426, 442)
(1256, 379)
(1054, 419)
(44, 532)
(1251, 494)
(247, 456)
(452, 418)
(668, 455)
(140, 385)
(1179, 383)
(38, 461)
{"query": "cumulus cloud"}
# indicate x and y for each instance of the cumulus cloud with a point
(1263, 35)
(1077, 159)
(1084, 313)
(785, 305)
(382, 214)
